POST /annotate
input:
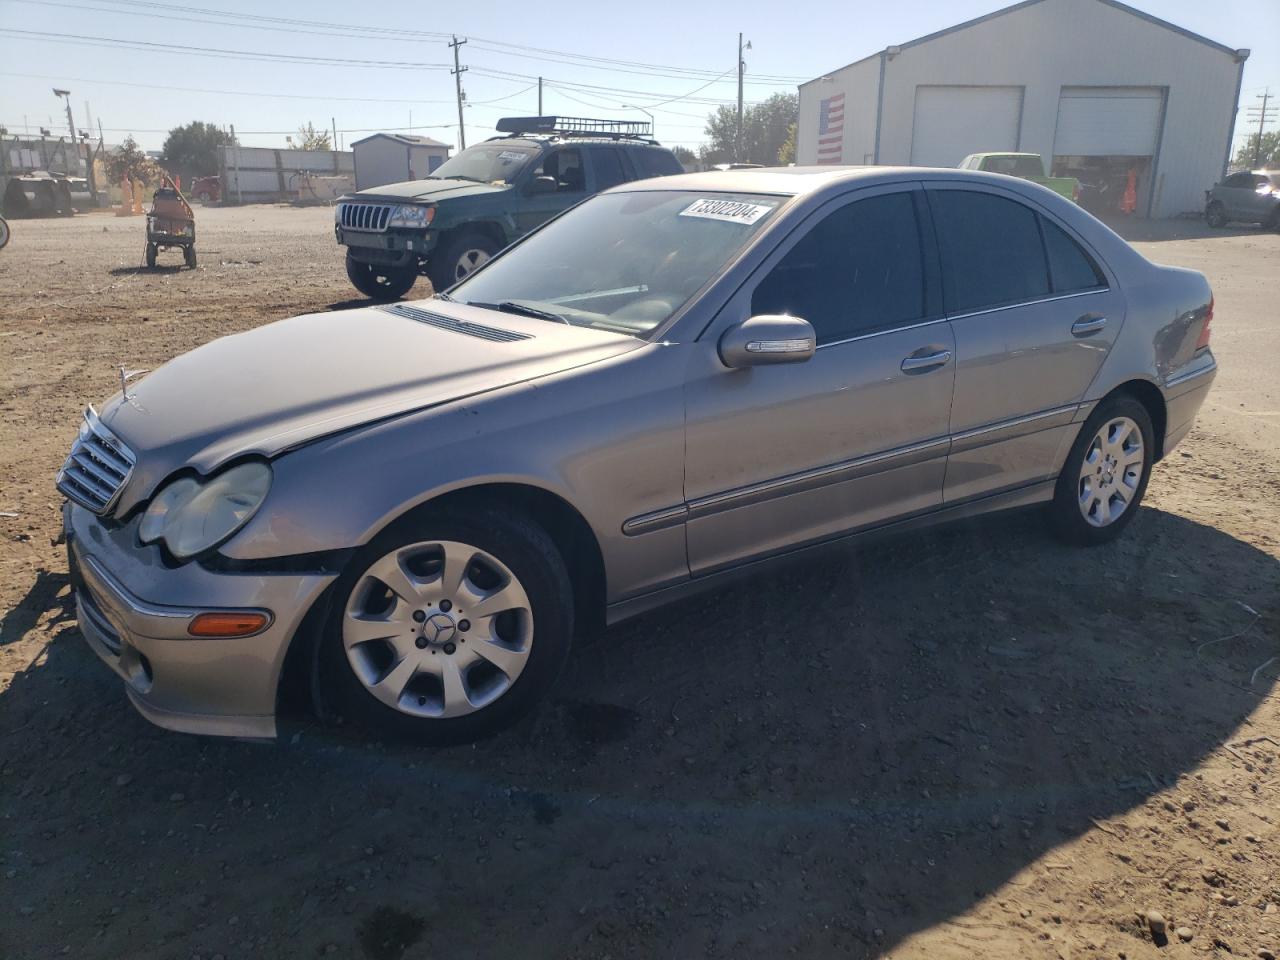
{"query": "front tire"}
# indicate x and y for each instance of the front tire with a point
(189, 256)
(448, 626)
(1215, 215)
(151, 255)
(459, 257)
(1106, 473)
(380, 283)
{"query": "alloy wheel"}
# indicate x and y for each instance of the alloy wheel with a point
(469, 262)
(1111, 471)
(438, 629)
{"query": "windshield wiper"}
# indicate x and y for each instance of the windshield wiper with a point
(511, 306)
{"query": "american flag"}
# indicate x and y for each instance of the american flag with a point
(831, 129)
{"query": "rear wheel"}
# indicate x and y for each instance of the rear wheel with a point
(449, 626)
(4, 232)
(459, 257)
(203, 196)
(152, 249)
(1215, 215)
(379, 282)
(1106, 473)
(189, 255)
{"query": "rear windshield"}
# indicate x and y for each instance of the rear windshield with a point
(487, 163)
(1025, 167)
(622, 261)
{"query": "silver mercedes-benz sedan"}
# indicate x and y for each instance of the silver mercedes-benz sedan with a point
(410, 510)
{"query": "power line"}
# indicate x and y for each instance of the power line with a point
(292, 24)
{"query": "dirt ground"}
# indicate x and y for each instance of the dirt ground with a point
(970, 743)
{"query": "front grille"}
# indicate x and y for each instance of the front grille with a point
(494, 334)
(99, 465)
(370, 217)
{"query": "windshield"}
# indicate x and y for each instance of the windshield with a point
(622, 261)
(499, 162)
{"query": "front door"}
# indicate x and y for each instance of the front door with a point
(1034, 316)
(779, 456)
(564, 165)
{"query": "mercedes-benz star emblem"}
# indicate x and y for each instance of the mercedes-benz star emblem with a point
(439, 629)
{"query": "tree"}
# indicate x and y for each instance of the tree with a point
(192, 150)
(787, 152)
(1268, 158)
(128, 160)
(309, 138)
(686, 156)
(764, 130)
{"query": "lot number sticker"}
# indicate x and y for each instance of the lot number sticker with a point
(734, 211)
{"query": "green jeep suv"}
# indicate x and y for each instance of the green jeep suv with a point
(477, 202)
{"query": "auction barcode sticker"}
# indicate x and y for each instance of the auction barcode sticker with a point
(734, 211)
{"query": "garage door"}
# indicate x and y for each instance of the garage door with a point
(953, 122)
(1108, 121)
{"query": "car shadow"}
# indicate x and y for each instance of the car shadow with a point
(820, 760)
(159, 268)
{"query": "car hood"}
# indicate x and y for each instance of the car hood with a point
(294, 381)
(430, 190)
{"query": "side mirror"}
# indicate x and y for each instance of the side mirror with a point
(541, 185)
(766, 340)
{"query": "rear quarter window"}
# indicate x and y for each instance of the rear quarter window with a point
(655, 162)
(1070, 267)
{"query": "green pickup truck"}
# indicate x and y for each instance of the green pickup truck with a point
(1024, 166)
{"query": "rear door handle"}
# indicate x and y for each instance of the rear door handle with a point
(915, 364)
(1087, 325)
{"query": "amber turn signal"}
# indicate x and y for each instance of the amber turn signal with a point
(241, 624)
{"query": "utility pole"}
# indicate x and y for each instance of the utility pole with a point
(1265, 115)
(457, 72)
(333, 122)
(742, 66)
(539, 96)
(71, 125)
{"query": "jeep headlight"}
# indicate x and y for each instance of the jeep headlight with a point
(412, 215)
(192, 516)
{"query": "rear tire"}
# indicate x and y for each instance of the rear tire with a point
(459, 257)
(423, 681)
(151, 255)
(189, 255)
(1215, 215)
(1105, 477)
(380, 283)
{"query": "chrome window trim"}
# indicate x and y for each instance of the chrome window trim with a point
(881, 333)
(1030, 303)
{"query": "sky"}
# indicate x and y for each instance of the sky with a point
(268, 68)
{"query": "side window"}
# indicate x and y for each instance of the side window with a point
(1070, 267)
(608, 167)
(655, 162)
(565, 165)
(1238, 180)
(858, 269)
(991, 250)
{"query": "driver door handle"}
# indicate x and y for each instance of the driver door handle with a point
(914, 364)
(1088, 324)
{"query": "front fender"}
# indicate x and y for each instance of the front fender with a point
(608, 440)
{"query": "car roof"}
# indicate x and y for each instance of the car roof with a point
(803, 180)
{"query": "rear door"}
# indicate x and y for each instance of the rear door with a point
(1034, 316)
(1235, 193)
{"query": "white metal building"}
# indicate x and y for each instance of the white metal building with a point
(396, 157)
(1102, 91)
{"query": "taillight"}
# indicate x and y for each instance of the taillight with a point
(1205, 331)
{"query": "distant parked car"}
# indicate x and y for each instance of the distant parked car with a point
(475, 203)
(207, 189)
(1024, 166)
(415, 507)
(1245, 197)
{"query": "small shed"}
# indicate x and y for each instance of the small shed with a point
(396, 157)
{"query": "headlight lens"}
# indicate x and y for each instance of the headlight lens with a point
(411, 215)
(191, 516)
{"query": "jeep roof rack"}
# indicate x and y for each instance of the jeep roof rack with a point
(575, 127)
